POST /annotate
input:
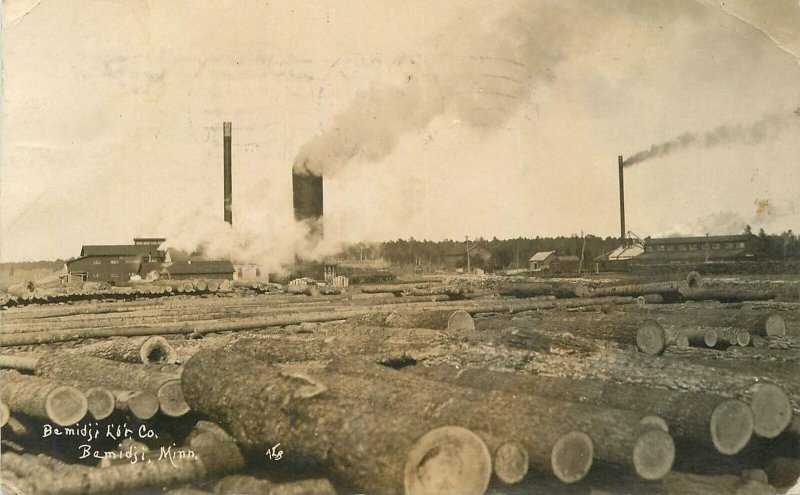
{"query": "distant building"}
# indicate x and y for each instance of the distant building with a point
(542, 260)
(179, 270)
(149, 241)
(565, 264)
(480, 256)
(624, 252)
(113, 264)
(705, 248)
(358, 271)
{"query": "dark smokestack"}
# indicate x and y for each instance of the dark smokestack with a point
(621, 199)
(307, 198)
(226, 134)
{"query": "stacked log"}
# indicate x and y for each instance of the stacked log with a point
(665, 289)
(345, 434)
(697, 417)
(532, 289)
(42, 399)
(237, 484)
(726, 294)
(115, 375)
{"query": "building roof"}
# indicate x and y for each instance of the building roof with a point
(711, 238)
(119, 250)
(542, 255)
(460, 249)
(624, 252)
(198, 267)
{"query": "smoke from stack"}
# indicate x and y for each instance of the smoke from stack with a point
(765, 129)
(307, 199)
(621, 164)
(482, 80)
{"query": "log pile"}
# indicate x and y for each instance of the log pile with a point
(445, 387)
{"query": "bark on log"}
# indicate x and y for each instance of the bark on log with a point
(726, 295)
(652, 338)
(41, 398)
(5, 413)
(347, 435)
(721, 484)
(532, 289)
(238, 484)
(87, 369)
(697, 417)
(783, 472)
(635, 290)
(18, 362)
(616, 436)
(205, 456)
(100, 402)
(643, 301)
(444, 319)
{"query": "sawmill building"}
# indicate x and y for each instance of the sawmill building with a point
(705, 248)
(112, 264)
(480, 256)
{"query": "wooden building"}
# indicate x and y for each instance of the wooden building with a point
(480, 256)
(705, 248)
(113, 264)
(179, 270)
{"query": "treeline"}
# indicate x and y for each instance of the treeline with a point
(510, 253)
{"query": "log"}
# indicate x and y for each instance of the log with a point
(445, 319)
(770, 326)
(706, 337)
(696, 484)
(322, 421)
(100, 402)
(213, 285)
(5, 413)
(130, 350)
(644, 300)
(557, 434)
(726, 295)
(694, 280)
(201, 285)
(19, 362)
(142, 405)
(98, 371)
(170, 399)
(205, 456)
(783, 472)
(635, 290)
(238, 484)
(772, 410)
(734, 336)
(156, 350)
(41, 398)
(532, 289)
(652, 338)
(697, 417)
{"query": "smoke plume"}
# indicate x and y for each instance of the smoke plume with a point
(765, 129)
(489, 68)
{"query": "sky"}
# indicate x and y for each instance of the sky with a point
(430, 120)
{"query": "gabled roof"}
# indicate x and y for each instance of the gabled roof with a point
(542, 255)
(624, 252)
(119, 250)
(711, 238)
(460, 249)
(198, 267)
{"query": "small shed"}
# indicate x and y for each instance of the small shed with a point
(542, 260)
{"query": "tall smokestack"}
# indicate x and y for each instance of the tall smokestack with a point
(226, 133)
(621, 199)
(307, 199)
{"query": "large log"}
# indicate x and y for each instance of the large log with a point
(443, 319)
(238, 484)
(206, 455)
(726, 294)
(665, 289)
(550, 430)
(41, 398)
(365, 443)
(532, 289)
(142, 405)
(153, 350)
(697, 417)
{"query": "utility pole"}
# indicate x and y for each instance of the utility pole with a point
(469, 267)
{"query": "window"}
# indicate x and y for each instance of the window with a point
(706, 245)
(97, 262)
(716, 245)
(132, 262)
(692, 247)
(682, 247)
(740, 245)
(114, 275)
(115, 262)
(670, 248)
(661, 248)
(96, 275)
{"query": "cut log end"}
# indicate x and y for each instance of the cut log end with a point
(5, 413)
(66, 405)
(653, 454)
(571, 457)
(460, 321)
(710, 337)
(511, 463)
(694, 280)
(651, 338)
(731, 426)
(101, 402)
(654, 422)
(772, 410)
(743, 338)
(171, 400)
(156, 350)
(775, 326)
(448, 460)
(142, 405)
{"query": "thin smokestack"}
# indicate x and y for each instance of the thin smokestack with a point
(226, 133)
(307, 196)
(621, 198)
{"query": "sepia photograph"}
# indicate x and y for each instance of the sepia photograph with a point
(400, 247)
